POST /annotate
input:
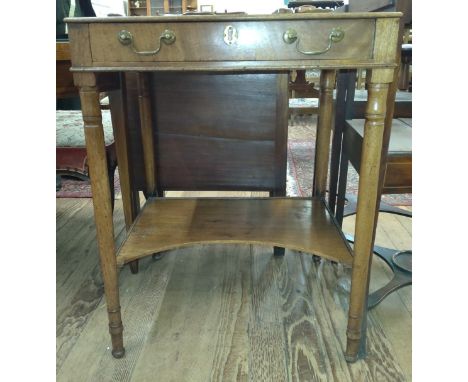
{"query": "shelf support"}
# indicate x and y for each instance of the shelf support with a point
(118, 106)
(147, 138)
(324, 125)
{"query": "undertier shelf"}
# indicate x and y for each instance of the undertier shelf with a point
(295, 223)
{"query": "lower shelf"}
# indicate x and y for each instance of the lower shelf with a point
(295, 223)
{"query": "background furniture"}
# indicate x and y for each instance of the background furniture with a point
(160, 7)
(105, 47)
(396, 159)
(324, 4)
(70, 152)
(397, 173)
(301, 88)
(404, 82)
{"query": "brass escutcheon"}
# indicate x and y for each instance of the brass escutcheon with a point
(230, 35)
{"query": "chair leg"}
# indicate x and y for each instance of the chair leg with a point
(350, 208)
(342, 182)
(402, 274)
(58, 182)
(112, 165)
(111, 185)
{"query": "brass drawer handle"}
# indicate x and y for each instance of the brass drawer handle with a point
(126, 38)
(290, 36)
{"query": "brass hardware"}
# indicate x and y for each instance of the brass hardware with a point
(336, 35)
(126, 38)
(290, 36)
(230, 35)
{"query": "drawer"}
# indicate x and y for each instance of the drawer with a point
(253, 40)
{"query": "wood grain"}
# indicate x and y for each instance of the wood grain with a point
(374, 41)
(256, 41)
(97, 162)
(366, 217)
(260, 46)
(253, 300)
(398, 165)
(120, 123)
(324, 128)
(228, 17)
(144, 100)
(199, 148)
(167, 223)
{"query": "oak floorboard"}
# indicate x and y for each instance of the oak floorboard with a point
(267, 358)
(222, 312)
(68, 208)
(140, 295)
(191, 338)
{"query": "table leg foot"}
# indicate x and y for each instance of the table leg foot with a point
(133, 266)
(351, 359)
(158, 256)
(352, 350)
(118, 353)
(278, 251)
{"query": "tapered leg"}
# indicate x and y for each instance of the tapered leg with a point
(366, 217)
(97, 162)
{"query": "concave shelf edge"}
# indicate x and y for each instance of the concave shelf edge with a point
(300, 224)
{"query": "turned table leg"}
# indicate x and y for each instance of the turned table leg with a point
(97, 163)
(367, 212)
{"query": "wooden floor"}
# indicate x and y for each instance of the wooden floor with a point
(222, 312)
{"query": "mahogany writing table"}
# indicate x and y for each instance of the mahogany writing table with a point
(104, 48)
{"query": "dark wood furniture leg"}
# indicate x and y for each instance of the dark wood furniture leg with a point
(346, 205)
(367, 211)
(327, 83)
(130, 198)
(281, 141)
(345, 85)
(94, 135)
(351, 204)
(144, 101)
(401, 265)
(324, 121)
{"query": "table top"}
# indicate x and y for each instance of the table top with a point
(233, 17)
(213, 43)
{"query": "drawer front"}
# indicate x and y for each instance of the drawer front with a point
(244, 41)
